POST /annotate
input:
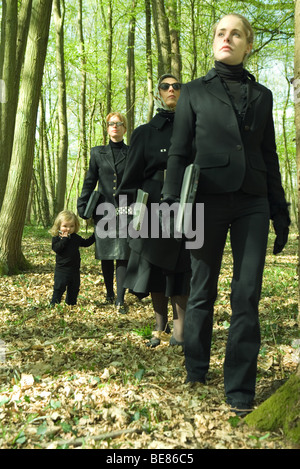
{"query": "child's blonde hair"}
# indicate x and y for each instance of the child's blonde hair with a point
(66, 215)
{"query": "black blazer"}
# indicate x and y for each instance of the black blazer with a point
(109, 173)
(106, 171)
(230, 157)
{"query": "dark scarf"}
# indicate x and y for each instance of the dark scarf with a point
(234, 79)
(166, 114)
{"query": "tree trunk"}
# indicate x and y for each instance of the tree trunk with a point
(130, 75)
(162, 37)
(14, 206)
(49, 177)
(280, 412)
(42, 192)
(82, 113)
(149, 60)
(7, 106)
(296, 83)
(14, 32)
(194, 69)
(109, 42)
(59, 15)
(288, 186)
(176, 63)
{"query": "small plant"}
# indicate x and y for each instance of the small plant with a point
(145, 331)
(259, 439)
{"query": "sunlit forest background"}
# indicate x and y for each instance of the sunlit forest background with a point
(107, 55)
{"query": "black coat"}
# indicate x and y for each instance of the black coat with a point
(230, 157)
(108, 173)
(148, 154)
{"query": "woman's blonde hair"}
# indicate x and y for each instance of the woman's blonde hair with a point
(66, 215)
(247, 26)
(119, 115)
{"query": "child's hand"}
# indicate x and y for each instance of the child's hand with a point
(63, 234)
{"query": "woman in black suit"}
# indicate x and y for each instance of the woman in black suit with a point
(106, 168)
(160, 267)
(229, 117)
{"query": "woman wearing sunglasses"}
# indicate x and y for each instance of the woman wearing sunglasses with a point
(106, 167)
(160, 267)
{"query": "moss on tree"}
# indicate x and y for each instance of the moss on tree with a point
(280, 411)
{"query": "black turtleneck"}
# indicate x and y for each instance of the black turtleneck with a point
(116, 148)
(234, 79)
(230, 72)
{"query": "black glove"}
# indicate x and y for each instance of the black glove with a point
(281, 223)
(168, 199)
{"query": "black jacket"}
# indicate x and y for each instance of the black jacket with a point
(148, 153)
(103, 169)
(231, 158)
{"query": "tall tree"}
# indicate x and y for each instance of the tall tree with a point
(149, 60)
(162, 37)
(14, 32)
(41, 186)
(297, 118)
(176, 63)
(7, 68)
(82, 104)
(59, 16)
(109, 42)
(130, 74)
(13, 212)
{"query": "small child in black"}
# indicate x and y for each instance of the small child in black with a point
(66, 243)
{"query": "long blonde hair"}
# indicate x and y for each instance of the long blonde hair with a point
(64, 215)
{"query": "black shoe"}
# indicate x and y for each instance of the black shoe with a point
(174, 342)
(109, 300)
(153, 342)
(240, 409)
(194, 380)
(121, 309)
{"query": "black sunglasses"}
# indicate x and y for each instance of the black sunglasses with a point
(166, 86)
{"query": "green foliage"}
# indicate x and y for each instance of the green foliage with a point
(145, 331)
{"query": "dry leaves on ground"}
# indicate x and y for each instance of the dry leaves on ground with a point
(83, 377)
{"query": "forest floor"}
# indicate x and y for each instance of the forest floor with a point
(82, 377)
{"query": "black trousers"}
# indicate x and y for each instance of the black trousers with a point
(246, 217)
(68, 279)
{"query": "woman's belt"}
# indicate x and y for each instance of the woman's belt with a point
(124, 210)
